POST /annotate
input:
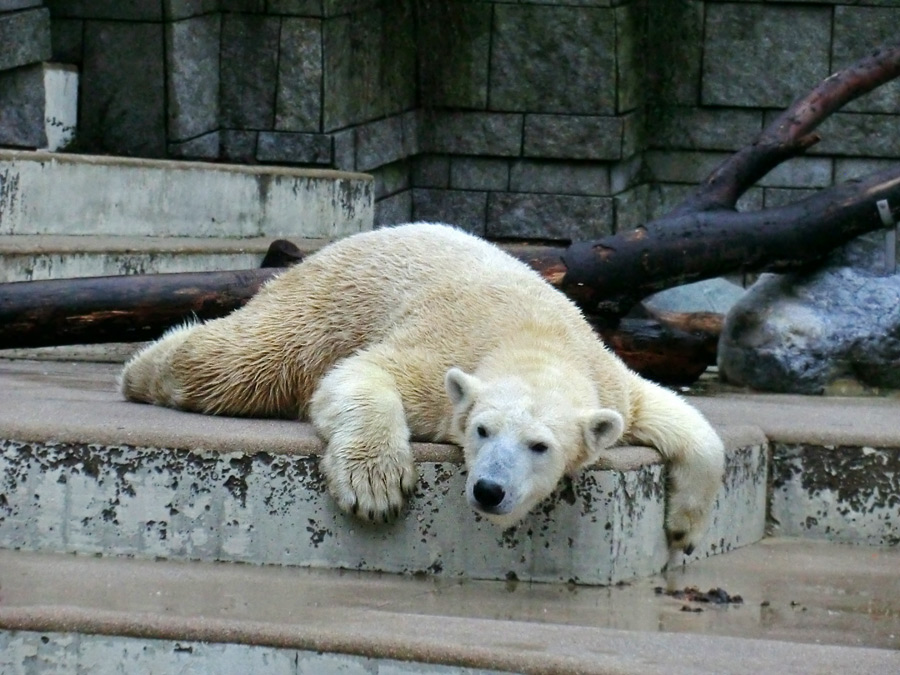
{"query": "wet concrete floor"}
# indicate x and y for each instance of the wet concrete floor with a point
(792, 590)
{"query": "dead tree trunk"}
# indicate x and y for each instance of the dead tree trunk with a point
(117, 309)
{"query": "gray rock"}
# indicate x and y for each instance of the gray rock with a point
(394, 210)
(479, 173)
(463, 208)
(207, 146)
(574, 178)
(548, 216)
(431, 171)
(249, 70)
(183, 9)
(879, 25)
(369, 64)
(711, 295)
(299, 106)
(800, 332)
(456, 39)
(294, 148)
(473, 133)
(67, 37)
(11, 5)
(238, 146)
(574, 137)
(126, 10)
(379, 143)
(746, 44)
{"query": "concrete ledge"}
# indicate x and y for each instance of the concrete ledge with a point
(45, 193)
(86, 472)
(37, 257)
(835, 463)
(846, 494)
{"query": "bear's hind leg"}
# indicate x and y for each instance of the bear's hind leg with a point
(148, 377)
(694, 454)
(368, 463)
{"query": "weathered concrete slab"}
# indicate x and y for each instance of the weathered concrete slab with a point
(36, 257)
(808, 607)
(101, 654)
(83, 471)
(840, 493)
(49, 194)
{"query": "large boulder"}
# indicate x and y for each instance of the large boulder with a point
(801, 332)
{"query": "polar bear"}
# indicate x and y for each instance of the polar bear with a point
(424, 331)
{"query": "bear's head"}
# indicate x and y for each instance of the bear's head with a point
(520, 438)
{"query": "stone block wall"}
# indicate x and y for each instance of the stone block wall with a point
(726, 69)
(24, 44)
(535, 119)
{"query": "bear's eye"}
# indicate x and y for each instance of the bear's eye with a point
(481, 431)
(539, 448)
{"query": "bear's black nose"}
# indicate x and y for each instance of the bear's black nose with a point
(488, 493)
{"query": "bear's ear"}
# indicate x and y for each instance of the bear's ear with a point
(601, 429)
(462, 388)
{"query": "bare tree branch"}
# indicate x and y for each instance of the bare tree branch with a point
(791, 133)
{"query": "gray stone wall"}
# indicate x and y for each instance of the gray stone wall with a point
(24, 44)
(727, 68)
(541, 119)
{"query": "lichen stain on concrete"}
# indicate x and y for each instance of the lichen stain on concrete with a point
(863, 480)
(9, 194)
(317, 533)
(746, 466)
(349, 194)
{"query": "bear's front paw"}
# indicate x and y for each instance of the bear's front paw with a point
(370, 485)
(692, 495)
(686, 523)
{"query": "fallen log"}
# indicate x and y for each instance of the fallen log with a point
(117, 309)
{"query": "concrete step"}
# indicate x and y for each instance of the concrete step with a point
(64, 216)
(83, 471)
(37, 257)
(835, 462)
(45, 194)
(807, 607)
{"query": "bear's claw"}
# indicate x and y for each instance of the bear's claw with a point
(374, 488)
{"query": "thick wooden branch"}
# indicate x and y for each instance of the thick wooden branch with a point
(609, 275)
(117, 309)
(791, 133)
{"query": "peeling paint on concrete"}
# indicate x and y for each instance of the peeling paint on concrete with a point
(839, 493)
(603, 527)
(29, 653)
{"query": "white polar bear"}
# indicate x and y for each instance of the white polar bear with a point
(424, 331)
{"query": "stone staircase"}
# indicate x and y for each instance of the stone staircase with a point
(159, 505)
(67, 216)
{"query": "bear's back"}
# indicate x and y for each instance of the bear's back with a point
(375, 279)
